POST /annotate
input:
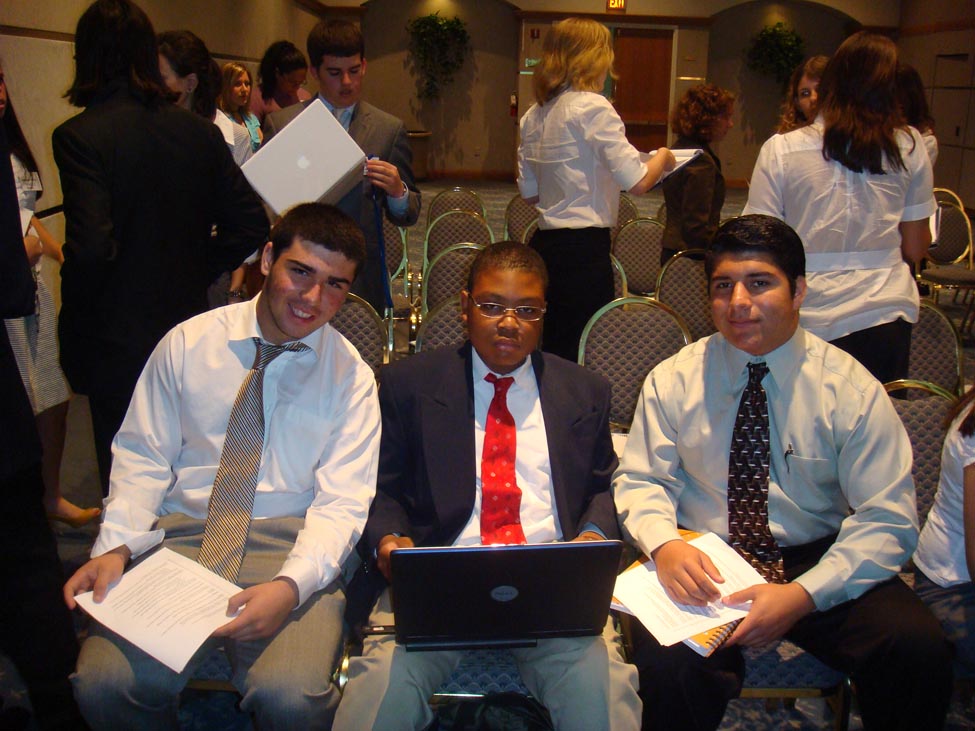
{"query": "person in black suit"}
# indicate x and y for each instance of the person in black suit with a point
(429, 493)
(336, 51)
(35, 628)
(144, 184)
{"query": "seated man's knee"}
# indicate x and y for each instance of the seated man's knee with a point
(286, 699)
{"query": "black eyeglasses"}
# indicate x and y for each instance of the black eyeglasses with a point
(494, 311)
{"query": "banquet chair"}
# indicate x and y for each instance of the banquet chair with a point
(626, 212)
(619, 278)
(530, 231)
(442, 327)
(365, 329)
(951, 260)
(936, 354)
(923, 418)
(683, 285)
(637, 245)
(623, 341)
(455, 227)
(455, 199)
(447, 275)
(518, 216)
(942, 195)
(397, 256)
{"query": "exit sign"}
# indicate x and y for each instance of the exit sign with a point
(615, 6)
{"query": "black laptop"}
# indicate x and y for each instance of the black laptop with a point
(501, 596)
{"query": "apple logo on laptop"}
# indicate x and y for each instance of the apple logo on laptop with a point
(504, 593)
(303, 163)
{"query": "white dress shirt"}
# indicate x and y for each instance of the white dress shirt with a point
(533, 472)
(321, 441)
(840, 459)
(848, 223)
(575, 157)
(941, 547)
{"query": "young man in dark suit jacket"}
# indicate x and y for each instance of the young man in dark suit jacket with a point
(435, 410)
(336, 53)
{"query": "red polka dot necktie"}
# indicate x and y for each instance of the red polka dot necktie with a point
(500, 494)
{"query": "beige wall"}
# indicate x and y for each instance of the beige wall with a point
(938, 39)
(39, 68)
(759, 98)
(473, 131)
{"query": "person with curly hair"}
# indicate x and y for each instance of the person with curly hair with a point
(799, 107)
(573, 161)
(694, 194)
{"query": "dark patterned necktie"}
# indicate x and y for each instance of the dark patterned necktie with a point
(748, 476)
(232, 497)
(500, 494)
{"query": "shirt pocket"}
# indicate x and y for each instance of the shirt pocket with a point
(296, 441)
(810, 482)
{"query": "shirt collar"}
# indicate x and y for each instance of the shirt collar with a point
(521, 374)
(245, 327)
(781, 362)
(351, 110)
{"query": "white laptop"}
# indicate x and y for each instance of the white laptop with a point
(312, 159)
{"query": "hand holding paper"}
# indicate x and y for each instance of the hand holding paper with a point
(168, 606)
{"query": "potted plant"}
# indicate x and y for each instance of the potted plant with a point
(775, 51)
(438, 47)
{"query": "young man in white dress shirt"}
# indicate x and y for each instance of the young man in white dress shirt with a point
(315, 480)
(839, 502)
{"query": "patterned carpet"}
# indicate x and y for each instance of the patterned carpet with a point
(208, 711)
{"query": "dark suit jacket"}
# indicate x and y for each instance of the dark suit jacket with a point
(425, 488)
(384, 136)
(143, 187)
(694, 197)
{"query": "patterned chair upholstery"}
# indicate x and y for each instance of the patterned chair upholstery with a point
(637, 246)
(623, 341)
(455, 199)
(447, 274)
(683, 286)
(936, 350)
(782, 670)
(482, 672)
(455, 227)
(626, 212)
(397, 262)
(442, 327)
(952, 261)
(923, 418)
(518, 216)
(365, 329)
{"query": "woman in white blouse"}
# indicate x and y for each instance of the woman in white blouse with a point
(573, 161)
(856, 185)
(945, 558)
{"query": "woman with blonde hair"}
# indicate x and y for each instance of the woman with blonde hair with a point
(799, 107)
(573, 161)
(235, 99)
(856, 185)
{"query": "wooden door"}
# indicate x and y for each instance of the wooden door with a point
(642, 93)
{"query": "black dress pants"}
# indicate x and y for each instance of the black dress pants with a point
(580, 281)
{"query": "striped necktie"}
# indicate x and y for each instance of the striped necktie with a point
(232, 498)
